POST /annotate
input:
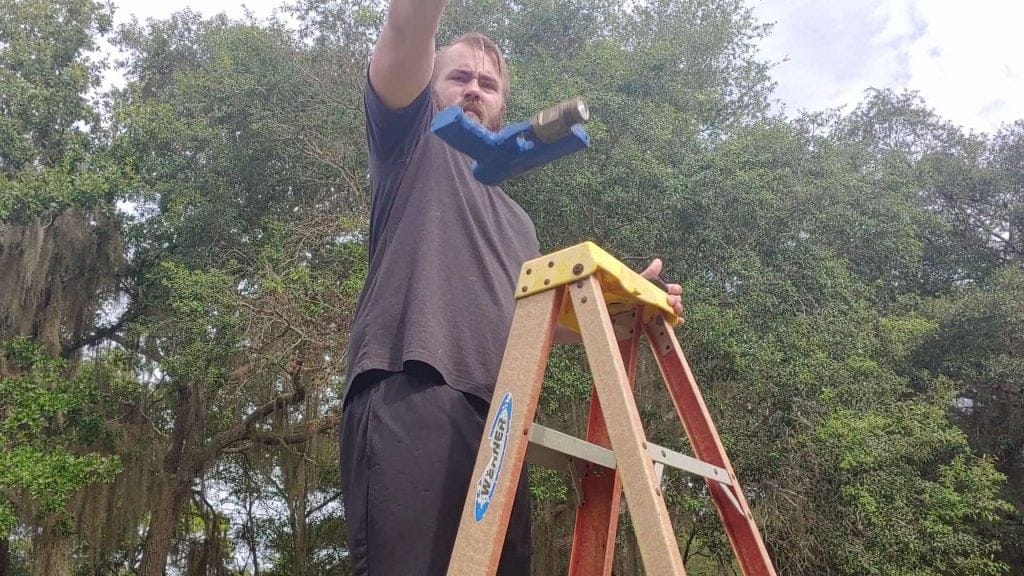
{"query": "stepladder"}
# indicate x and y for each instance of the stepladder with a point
(612, 308)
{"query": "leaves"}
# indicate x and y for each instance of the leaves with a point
(44, 75)
(49, 423)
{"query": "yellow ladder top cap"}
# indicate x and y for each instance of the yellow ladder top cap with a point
(623, 287)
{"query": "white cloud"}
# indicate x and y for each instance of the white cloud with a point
(961, 57)
(968, 62)
(833, 49)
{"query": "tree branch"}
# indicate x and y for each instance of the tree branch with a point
(144, 351)
(309, 430)
(244, 431)
(98, 334)
(314, 428)
(320, 506)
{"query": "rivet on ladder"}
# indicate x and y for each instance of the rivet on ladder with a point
(577, 269)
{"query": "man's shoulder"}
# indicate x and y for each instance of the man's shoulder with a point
(392, 134)
(376, 109)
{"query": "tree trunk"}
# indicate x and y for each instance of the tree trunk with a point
(300, 532)
(51, 549)
(162, 525)
(5, 557)
(629, 563)
(296, 468)
(249, 528)
(180, 466)
(293, 465)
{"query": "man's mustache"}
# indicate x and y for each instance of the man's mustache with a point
(472, 107)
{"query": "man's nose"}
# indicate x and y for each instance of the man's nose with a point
(472, 90)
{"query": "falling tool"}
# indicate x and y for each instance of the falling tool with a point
(549, 135)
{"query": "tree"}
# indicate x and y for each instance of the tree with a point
(977, 345)
(60, 249)
(246, 264)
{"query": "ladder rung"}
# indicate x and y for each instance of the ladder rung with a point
(558, 451)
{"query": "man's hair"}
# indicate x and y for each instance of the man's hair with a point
(484, 44)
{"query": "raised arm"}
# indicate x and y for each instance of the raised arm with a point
(403, 59)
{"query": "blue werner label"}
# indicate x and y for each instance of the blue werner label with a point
(497, 441)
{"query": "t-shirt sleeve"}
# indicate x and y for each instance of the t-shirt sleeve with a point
(392, 134)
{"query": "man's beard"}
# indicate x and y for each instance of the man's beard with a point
(492, 124)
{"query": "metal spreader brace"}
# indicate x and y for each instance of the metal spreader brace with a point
(609, 305)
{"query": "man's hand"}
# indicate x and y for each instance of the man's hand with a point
(675, 291)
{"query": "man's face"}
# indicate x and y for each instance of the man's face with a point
(468, 77)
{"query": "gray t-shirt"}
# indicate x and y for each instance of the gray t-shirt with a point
(444, 255)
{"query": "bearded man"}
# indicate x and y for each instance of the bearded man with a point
(432, 320)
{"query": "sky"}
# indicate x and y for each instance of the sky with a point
(964, 58)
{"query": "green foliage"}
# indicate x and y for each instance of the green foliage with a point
(52, 190)
(978, 346)
(907, 482)
(48, 421)
(248, 261)
(48, 147)
(44, 74)
(549, 486)
(567, 383)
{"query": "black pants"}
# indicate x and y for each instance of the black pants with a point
(408, 445)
